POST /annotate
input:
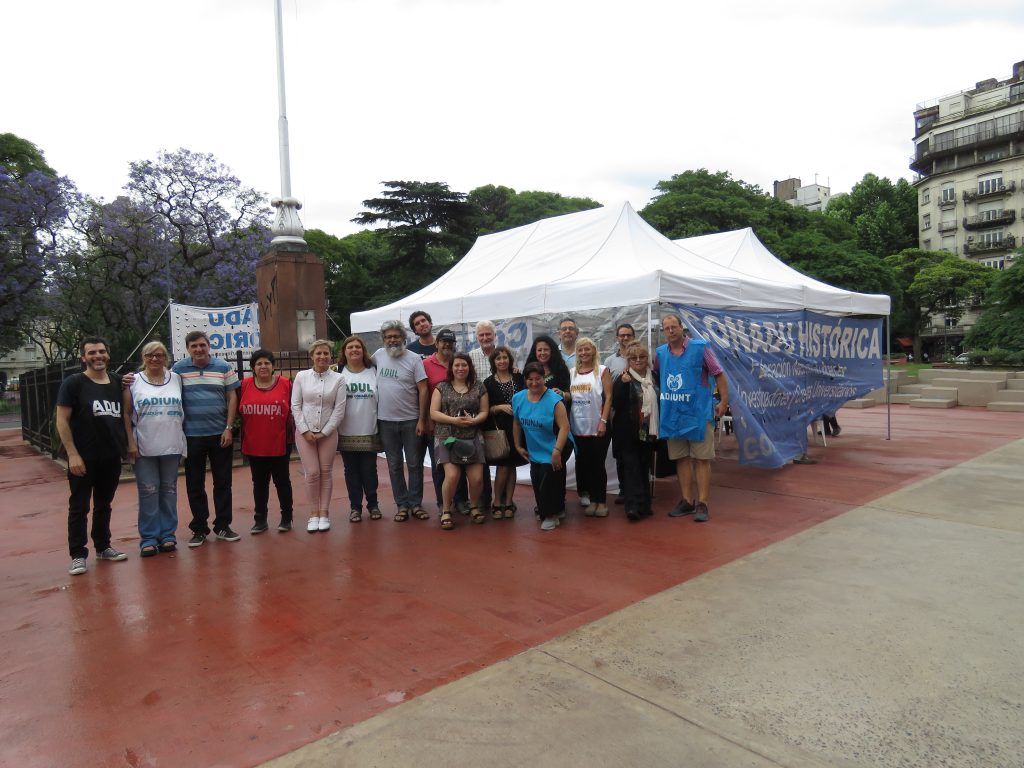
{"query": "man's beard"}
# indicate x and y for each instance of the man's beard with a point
(395, 351)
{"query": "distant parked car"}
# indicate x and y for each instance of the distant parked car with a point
(963, 358)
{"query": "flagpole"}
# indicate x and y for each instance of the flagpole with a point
(287, 229)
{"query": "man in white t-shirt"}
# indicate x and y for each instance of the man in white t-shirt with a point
(402, 417)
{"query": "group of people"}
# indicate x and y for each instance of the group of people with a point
(467, 411)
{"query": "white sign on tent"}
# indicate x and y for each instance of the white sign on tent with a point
(230, 329)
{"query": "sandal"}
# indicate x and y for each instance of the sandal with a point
(355, 516)
(168, 546)
(510, 511)
(374, 512)
(420, 513)
(402, 515)
(447, 523)
(476, 515)
(497, 512)
(149, 551)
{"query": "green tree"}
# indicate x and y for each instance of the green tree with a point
(20, 156)
(1001, 324)
(429, 226)
(700, 202)
(352, 266)
(933, 282)
(501, 208)
(883, 214)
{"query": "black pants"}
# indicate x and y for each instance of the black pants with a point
(199, 450)
(98, 484)
(549, 486)
(830, 423)
(264, 469)
(360, 478)
(635, 482)
(591, 475)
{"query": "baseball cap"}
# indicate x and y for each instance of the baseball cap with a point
(446, 335)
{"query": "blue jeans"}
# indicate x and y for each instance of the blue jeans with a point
(157, 480)
(399, 437)
(360, 478)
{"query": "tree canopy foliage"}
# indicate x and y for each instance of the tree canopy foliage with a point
(1001, 325)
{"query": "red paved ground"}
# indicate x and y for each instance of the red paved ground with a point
(235, 653)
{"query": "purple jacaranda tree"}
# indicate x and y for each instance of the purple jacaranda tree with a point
(33, 211)
(185, 229)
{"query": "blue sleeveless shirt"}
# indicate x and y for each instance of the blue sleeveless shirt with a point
(686, 404)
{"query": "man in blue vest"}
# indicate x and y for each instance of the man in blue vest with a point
(688, 411)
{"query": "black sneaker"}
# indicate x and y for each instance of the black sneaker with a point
(682, 509)
(702, 513)
(284, 526)
(226, 534)
(197, 540)
(836, 431)
(258, 528)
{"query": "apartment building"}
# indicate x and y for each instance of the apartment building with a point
(813, 197)
(969, 161)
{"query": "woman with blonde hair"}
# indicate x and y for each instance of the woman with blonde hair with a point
(318, 405)
(589, 412)
(153, 417)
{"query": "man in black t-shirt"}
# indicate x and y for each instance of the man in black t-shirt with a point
(92, 431)
(425, 344)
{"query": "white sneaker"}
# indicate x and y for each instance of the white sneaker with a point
(549, 524)
(313, 525)
(585, 500)
(77, 566)
(325, 523)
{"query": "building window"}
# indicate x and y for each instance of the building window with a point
(926, 244)
(926, 196)
(990, 184)
(995, 213)
(948, 193)
(991, 237)
(926, 221)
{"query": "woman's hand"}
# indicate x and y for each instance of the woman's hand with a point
(523, 452)
(310, 437)
(556, 460)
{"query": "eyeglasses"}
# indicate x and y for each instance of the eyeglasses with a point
(634, 357)
(155, 355)
(625, 335)
(567, 328)
(392, 337)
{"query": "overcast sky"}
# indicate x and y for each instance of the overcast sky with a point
(582, 97)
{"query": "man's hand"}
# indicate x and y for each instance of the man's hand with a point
(421, 428)
(226, 437)
(720, 409)
(76, 466)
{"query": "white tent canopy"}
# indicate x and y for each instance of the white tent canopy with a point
(741, 251)
(603, 258)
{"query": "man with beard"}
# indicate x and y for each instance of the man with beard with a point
(402, 417)
(425, 343)
(92, 432)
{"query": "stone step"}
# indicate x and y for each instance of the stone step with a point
(1015, 384)
(903, 399)
(928, 375)
(1006, 406)
(932, 402)
(912, 389)
(860, 402)
(1009, 396)
(973, 391)
(941, 393)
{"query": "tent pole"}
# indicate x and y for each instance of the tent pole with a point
(888, 383)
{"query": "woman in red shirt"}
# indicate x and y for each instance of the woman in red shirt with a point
(265, 408)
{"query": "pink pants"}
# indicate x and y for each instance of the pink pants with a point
(318, 468)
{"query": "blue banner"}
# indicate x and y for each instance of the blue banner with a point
(786, 369)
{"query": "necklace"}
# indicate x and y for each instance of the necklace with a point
(273, 383)
(154, 384)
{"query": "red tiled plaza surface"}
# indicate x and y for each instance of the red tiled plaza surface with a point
(234, 653)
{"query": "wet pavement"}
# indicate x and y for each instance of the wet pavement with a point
(513, 645)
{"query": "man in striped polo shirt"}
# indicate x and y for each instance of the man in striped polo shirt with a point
(210, 397)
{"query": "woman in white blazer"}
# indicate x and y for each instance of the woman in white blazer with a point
(318, 405)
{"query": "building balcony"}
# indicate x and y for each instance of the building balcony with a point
(1000, 191)
(994, 246)
(987, 220)
(945, 203)
(947, 226)
(992, 134)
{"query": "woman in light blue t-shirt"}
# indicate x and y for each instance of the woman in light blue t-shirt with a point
(541, 434)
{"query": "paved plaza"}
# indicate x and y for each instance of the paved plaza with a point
(862, 611)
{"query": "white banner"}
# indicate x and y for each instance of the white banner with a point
(230, 329)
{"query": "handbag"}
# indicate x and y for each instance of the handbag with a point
(496, 445)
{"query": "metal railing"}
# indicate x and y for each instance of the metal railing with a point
(38, 390)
